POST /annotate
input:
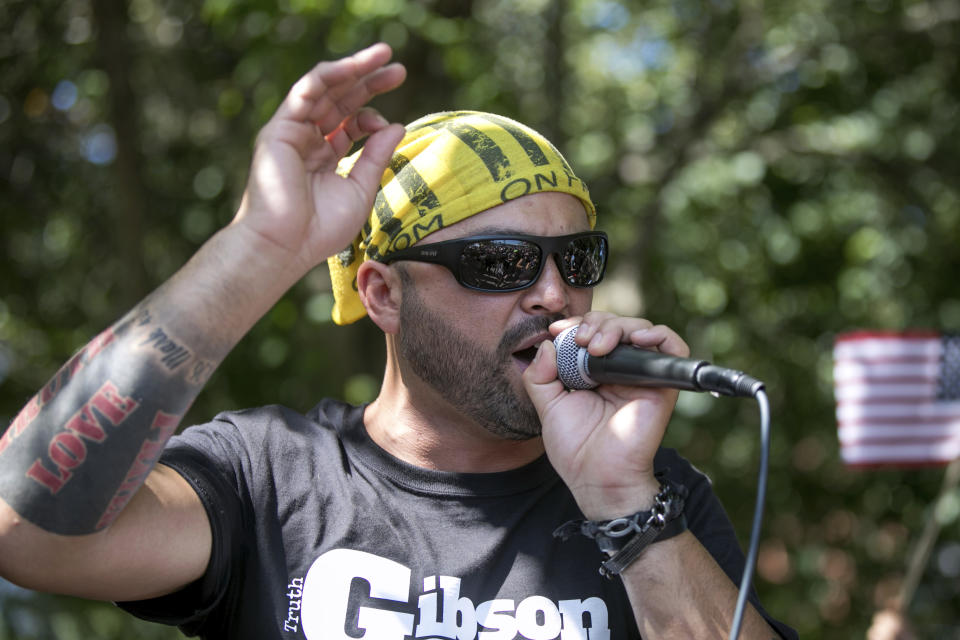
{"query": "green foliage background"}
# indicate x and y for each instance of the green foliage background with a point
(771, 174)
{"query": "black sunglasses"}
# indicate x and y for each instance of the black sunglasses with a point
(514, 262)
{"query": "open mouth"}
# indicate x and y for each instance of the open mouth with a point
(525, 356)
(528, 349)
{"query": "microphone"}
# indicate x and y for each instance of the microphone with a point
(630, 365)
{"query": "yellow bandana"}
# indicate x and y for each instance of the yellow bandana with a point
(449, 166)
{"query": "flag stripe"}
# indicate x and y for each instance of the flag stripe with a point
(849, 370)
(885, 433)
(885, 400)
(920, 453)
(880, 349)
(907, 412)
(880, 391)
(914, 334)
(875, 379)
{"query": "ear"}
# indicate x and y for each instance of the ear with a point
(380, 292)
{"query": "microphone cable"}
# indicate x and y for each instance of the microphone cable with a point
(748, 568)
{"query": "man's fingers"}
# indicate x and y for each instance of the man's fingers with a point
(330, 76)
(375, 157)
(389, 77)
(356, 127)
(368, 120)
(343, 101)
(661, 338)
(601, 332)
(329, 108)
(332, 91)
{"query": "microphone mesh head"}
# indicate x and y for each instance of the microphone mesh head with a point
(570, 366)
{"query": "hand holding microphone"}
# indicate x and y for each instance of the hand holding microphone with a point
(603, 444)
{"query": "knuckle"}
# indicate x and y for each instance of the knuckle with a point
(598, 317)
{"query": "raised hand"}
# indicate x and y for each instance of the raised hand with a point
(602, 442)
(93, 517)
(295, 203)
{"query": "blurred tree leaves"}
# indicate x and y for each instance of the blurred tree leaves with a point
(770, 173)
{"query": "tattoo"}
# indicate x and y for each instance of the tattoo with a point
(81, 448)
(174, 354)
(200, 372)
(161, 429)
(67, 450)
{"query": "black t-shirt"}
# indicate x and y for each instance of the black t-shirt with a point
(320, 533)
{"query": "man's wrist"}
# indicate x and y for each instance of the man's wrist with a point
(625, 538)
(616, 503)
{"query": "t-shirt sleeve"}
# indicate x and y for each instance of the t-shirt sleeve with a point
(210, 458)
(708, 521)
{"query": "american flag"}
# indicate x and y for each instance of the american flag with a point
(898, 397)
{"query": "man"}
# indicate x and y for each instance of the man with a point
(427, 513)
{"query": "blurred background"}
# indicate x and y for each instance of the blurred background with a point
(771, 174)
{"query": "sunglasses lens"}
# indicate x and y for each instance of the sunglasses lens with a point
(584, 261)
(498, 265)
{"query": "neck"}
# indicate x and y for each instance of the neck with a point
(413, 423)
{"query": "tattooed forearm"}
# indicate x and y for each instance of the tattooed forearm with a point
(86, 442)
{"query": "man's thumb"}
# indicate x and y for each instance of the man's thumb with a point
(375, 157)
(540, 378)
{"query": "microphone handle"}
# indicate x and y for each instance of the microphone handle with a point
(659, 369)
(662, 370)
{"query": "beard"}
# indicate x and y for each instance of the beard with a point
(467, 375)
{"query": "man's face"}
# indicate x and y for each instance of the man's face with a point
(471, 347)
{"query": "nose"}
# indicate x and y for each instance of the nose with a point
(549, 294)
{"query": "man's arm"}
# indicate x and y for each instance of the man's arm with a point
(82, 509)
(602, 443)
(679, 591)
